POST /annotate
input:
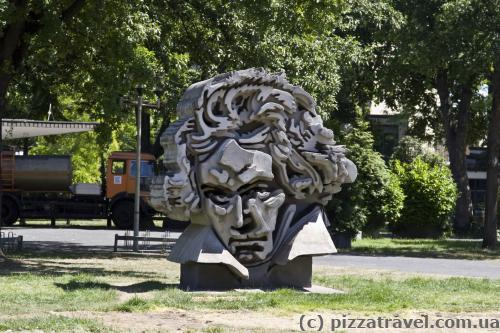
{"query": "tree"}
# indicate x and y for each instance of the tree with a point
(493, 173)
(409, 148)
(80, 56)
(21, 20)
(434, 68)
(478, 22)
(490, 20)
(375, 198)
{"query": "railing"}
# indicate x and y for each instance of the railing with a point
(144, 239)
(10, 242)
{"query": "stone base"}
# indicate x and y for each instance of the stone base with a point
(295, 274)
(312, 290)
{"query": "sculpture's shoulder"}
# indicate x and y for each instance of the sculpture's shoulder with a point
(199, 243)
(312, 239)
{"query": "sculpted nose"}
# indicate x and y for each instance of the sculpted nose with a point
(238, 213)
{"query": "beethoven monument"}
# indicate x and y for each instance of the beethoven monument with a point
(250, 164)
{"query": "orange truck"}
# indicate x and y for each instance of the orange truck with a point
(41, 187)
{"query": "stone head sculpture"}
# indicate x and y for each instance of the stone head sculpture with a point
(250, 164)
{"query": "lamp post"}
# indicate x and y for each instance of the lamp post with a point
(137, 197)
(139, 105)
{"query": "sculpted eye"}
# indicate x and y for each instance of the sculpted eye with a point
(255, 189)
(219, 197)
(275, 201)
(263, 195)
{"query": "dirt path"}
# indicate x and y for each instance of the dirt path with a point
(173, 320)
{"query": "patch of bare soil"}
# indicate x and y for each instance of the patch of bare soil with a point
(180, 320)
(247, 321)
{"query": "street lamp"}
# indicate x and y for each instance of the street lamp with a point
(137, 199)
(139, 105)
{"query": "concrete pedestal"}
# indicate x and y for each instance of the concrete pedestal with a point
(295, 274)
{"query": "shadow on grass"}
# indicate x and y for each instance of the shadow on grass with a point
(425, 248)
(136, 288)
(68, 250)
(49, 263)
(54, 268)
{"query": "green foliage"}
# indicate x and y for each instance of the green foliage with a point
(393, 200)
(410, 147)
(84, 154)
(86, 151)
(456, 38)
(430, 196)
(84, 64)
(374, 198)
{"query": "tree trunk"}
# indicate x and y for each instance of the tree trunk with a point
(26, 147)
(4, 84)
(456, 131)
(10, 42)
(157, 149)
(490, 221)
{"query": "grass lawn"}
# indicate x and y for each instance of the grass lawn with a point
(430, 248)
(134, 293)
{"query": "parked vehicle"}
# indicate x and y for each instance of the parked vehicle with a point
(41, 186)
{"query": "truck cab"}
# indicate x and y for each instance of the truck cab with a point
(121, 173)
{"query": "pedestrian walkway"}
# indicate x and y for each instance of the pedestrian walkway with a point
(454, 267)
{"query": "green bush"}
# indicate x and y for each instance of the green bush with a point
(410, 147)
(374, 198)
(430, 196)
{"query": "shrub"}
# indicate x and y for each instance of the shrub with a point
(409, 148)
(374, 198)
(430, 196)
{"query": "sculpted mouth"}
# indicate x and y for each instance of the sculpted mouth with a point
(246, 239)
(249, 248)
(248, 253)
(247, 245)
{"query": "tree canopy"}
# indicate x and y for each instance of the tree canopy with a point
(79, 56)
(430, 59)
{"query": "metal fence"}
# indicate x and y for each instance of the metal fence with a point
(10, 242)
(147, 243)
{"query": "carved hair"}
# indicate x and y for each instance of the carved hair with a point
(261, 111)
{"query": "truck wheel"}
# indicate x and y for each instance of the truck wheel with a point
(147, 222)
(10, 211)
(122, 214)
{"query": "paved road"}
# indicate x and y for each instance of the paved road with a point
(454, 267)
(70, 239)
(74, 240)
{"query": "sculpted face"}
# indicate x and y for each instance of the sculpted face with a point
(241, 200)
(244, 143)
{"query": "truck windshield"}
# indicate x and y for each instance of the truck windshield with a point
(146, 168)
